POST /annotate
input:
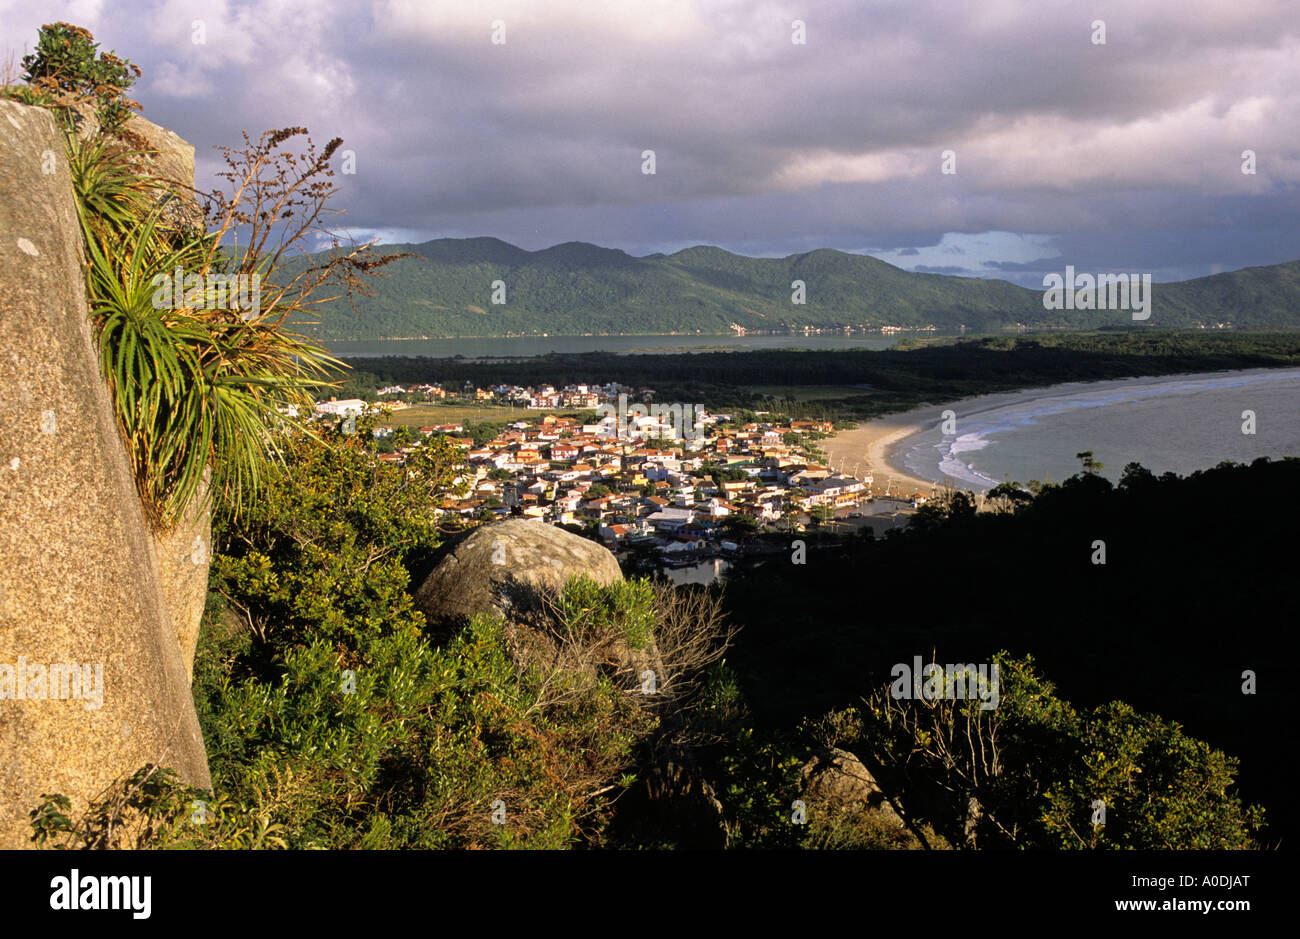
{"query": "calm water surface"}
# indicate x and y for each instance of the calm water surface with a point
(1179, 424)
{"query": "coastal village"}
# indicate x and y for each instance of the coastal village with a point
(679, 481)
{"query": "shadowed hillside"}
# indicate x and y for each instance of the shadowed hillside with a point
(446, 290)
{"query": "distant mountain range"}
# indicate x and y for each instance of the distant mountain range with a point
(446, 290)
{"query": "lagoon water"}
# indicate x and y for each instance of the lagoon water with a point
(1179, 423)
(524, 346)
(703, 572)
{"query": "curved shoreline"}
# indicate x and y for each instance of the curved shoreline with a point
(876, 442)
(871, 445)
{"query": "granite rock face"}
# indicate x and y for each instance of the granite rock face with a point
(181, 558)
(171, 160)
(93, 680)
(182, 554)
(182, 576)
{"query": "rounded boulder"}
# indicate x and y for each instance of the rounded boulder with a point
(505, 567)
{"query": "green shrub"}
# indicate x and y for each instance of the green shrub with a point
(758, 788)
(421, 743)
(1160, 788)
(394, 744)
(152, 808)
(591, 613)
(67, 67)
(1038, 768)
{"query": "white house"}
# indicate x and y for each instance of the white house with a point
(348, 407)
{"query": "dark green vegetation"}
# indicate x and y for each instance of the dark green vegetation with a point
(894, 379)
(446, 289)
(434, 732)
(335, 716)
(1196, 589)
(67, 69)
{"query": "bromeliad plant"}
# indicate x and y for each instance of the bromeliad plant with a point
(195, 384)
(201, 381)
(202, 378)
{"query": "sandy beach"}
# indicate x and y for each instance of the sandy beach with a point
(869, 444)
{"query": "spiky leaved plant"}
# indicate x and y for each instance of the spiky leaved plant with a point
(193, 386)
(196, 384)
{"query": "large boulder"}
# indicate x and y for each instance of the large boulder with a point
(181, 558)
(514, 568)
(79, 565)
(506, 567)
(840, 780)
(181, 554)
(170, 159)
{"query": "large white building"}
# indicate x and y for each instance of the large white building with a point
(348, 407)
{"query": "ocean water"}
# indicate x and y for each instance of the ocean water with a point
(1179, 424)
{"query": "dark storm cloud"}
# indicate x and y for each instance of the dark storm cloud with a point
(1126, 155)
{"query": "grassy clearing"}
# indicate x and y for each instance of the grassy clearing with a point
(422, 415)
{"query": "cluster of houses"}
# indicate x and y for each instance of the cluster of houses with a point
(562, 472)
(399, 397)
(635, 477)
(565, 473)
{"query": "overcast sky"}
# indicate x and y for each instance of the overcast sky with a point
(1123, 156)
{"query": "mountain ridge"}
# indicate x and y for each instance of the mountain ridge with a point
(446, 290)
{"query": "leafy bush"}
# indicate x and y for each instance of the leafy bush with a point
(67, 68)
(412, 745)
(1159, 788)
(388, 742)
(325, 550)
(152, 808)
(592, 613)
(393, 740)
(1029, 772)
(758, 787)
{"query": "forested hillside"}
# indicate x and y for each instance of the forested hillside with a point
(446, 289)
